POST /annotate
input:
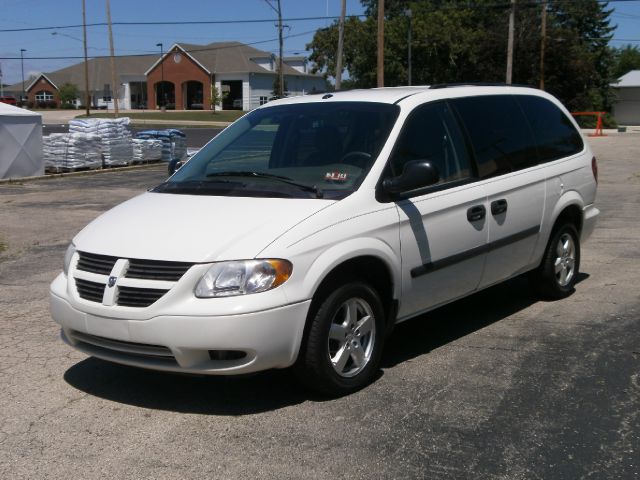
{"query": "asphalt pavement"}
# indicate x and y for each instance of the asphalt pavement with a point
(496, 386)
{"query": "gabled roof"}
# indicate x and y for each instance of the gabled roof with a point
(630, 79)
(227, 57)
(176, 46)
(42, 75)
(99, 72)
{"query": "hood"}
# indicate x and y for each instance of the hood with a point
(193, 228)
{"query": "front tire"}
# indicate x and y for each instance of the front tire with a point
(344, 341)
(555, 278)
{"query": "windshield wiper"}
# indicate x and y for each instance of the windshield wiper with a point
(280, 178)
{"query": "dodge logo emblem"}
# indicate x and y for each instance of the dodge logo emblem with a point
(112, 281)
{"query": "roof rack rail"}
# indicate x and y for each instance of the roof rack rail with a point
(478, 84)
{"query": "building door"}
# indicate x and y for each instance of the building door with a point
(193, 95)
(232, 95)
(166, 95)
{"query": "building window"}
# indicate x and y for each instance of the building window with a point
(44, 96)
(263, 100)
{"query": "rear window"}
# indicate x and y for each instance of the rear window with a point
(501, 138)
(556, 137)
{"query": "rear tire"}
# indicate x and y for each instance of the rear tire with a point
(344, 342)
(555, 278)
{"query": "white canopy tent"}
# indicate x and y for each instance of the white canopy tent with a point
(20, 142)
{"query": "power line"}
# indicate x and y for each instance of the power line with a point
(193, 50)
(462, 5)
(185, 22)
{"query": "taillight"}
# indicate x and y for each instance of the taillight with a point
(594, 168)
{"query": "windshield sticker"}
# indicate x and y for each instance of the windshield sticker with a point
(335, 177)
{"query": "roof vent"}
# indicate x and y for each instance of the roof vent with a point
(328, 95)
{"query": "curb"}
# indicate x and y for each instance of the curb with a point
(79, 174)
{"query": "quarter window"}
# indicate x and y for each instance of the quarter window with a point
(555, 135)
(501, 137)
(431, 133)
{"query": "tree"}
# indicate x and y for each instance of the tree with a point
(276, 86)
(626, 58)
(68, 94)
(216, 98)
(467, 42)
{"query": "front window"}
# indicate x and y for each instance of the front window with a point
(310, 150)
(44, 96)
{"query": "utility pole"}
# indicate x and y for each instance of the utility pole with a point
(114, 88)
(162, 99)
(86, 62)
(280, 71)
(280, 92)
(22, 50)
(409, 15)
(543, 40)
(512, 15)
(343, 12)
(380, 43)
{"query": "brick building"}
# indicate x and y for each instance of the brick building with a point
(182, 79)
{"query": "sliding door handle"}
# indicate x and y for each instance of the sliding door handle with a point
(498, 206)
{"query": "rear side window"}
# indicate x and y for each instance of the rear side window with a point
(555, 134)
(500, 135)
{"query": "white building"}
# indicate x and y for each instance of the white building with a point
(626, 108)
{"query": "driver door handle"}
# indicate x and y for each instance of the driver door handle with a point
(476, 213)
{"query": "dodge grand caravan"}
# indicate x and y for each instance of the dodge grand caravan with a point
(305, 230)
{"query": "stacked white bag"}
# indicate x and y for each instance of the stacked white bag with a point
(147, 150)
(174, 142)
(116, 144)
(71, 151)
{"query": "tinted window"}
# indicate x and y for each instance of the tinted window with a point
(431, 133)
(555, 134)
(501, 137)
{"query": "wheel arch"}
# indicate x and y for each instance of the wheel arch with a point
(369, 260)
(568, 209)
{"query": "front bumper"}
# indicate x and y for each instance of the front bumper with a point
(269, 338)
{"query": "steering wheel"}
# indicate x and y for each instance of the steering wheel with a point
(358, 162)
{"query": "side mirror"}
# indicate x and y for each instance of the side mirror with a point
(174, 166)
(416, 174)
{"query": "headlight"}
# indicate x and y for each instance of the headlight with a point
(71, 249)
(226, 279)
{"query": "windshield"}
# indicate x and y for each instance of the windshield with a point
(309, 150)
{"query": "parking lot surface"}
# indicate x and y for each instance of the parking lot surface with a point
(499, 385)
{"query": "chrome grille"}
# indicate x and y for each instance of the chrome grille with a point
(156, 270)
(91, 291)
(138, 268)
(138, 297)
(91, 262)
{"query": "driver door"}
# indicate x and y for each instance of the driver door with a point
(443, 227)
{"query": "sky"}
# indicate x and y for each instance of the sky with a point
(143, 39)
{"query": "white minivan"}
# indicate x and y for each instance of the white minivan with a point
(305, 230)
